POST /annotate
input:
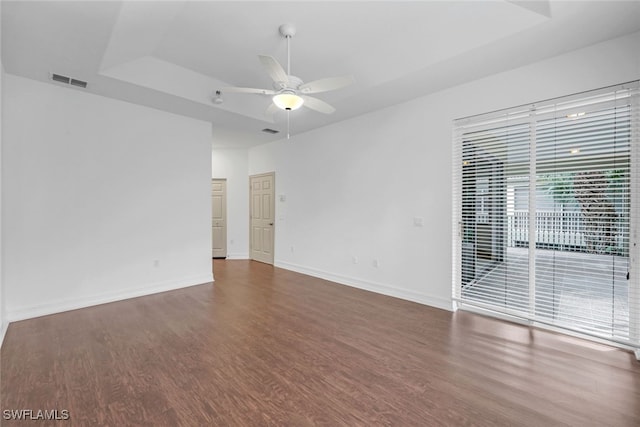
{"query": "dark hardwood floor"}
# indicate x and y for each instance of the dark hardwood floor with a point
(264, 346)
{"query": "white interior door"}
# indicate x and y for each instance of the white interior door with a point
(262, 218)
(219, 217)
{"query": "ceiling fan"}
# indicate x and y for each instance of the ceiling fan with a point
(290, 92)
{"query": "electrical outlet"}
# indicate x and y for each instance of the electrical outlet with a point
(354, 259)
(375, 263)
(156, 263)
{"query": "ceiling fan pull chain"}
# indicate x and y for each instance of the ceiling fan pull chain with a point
(288, 112)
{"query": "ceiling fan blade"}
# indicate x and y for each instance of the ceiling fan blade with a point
(271, 111)
(273, 67)
(247, 90)
(317, 105)
(325, 85)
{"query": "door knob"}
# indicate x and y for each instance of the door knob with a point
(270, 223)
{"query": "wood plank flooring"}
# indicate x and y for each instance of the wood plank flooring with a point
(268, 347)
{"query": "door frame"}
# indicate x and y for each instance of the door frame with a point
(224, 207)
(273, 209)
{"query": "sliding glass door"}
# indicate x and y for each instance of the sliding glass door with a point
(493, 273)
(546, 210)
(582, 218)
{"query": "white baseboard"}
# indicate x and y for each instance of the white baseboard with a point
(68, 304)
(442, 303)
(238, 256)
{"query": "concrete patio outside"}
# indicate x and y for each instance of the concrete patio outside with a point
(586, 292)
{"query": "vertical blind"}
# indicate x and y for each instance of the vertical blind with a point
(546, 212)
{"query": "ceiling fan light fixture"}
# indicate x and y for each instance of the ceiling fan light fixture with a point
(288, 101)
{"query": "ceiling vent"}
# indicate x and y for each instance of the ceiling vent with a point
(78, 83)
(68, 80)
(272, 131)
(59, 78)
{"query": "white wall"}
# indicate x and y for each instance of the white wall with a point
(102, 199)
(354, 188)
(3, 321)
(233, 164)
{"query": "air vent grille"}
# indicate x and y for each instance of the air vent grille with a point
(78, 83)
(267, 130)
(68, 80)
(59, 78)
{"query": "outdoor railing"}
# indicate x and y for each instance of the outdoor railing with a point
(561, 231)
(554, 230)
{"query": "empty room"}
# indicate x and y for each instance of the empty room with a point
(301, 213)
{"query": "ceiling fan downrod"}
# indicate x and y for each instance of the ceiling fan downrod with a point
(287, 31)
(288, 55)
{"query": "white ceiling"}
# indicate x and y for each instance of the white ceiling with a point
(174, 55)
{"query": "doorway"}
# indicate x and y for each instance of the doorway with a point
(219, 218)
(262, 217)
